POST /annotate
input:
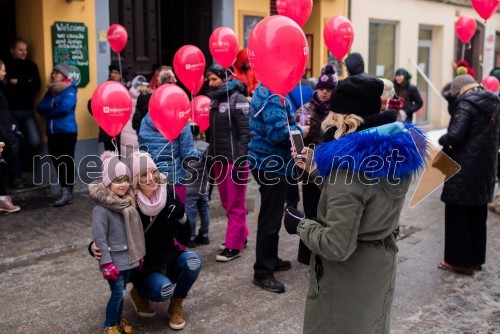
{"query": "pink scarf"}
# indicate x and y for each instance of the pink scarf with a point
(153, 206)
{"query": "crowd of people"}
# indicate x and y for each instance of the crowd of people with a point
(148, 199)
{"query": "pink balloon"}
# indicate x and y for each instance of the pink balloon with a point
(189, 66)
(201, 111)
(485, 8)
(338, 35)
(465, 27)
(223, 46)
(297, 10)
(277, 52)
(117, 37)
(111, 107)
(199, 85)
(169, 109)
(491, 83)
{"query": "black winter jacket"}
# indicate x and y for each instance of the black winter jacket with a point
(141, 109)
(22, 95)
(7, 134)
(472, 141)
(218, 134)
(413, 101)
(161, 249)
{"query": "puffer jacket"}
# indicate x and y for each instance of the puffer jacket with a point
(160, 149)
(353, 262)
(59, 111)
(225, 131)
(413, 101)
(472, 141)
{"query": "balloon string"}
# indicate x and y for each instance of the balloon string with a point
(265, 102)
(229, 115)
(191, 116)
(115, 144)
(120, 66)
(173, 165)
(463, 51)
(301, 98)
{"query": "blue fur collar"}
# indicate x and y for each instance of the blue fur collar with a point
(374, 151)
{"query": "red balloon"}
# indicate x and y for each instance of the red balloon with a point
(117, 37)
(111, 107)
(277, 52)
(485, 8)
(189, 66)
(338, 35)
(169, 109)
(465, 28)
(297, 10)
(201, 111)
(223, 46)
(491, 83)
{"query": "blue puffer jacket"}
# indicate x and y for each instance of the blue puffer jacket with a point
(269, 147)
(59, 111)
(160, 149)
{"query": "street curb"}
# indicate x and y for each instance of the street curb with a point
(33, 257)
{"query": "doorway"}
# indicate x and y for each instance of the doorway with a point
(7, 26)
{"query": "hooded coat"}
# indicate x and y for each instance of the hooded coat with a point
(247, 76)
(472, 141)
(353, 262)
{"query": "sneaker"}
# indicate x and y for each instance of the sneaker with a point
(125, 328)
(112, 330)
(141, 305)
(270, 284)
(227, 255)
(191, 244)
(175, 314)
(7, 206)
(282, 265)
(222, 246)
(201, 240)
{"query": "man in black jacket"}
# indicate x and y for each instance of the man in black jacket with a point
(23, 82)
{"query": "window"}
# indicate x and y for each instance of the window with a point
(381, 54)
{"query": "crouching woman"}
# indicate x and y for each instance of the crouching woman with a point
(367, 170)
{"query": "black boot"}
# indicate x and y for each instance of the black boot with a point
(65, 198)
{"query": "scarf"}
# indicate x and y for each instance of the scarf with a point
(320, 107)
(319, 112)
(57, 87)
(133, 224)
(221, 90)
(153, 206)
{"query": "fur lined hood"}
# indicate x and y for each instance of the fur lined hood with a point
(376, 144)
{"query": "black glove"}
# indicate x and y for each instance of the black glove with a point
(176, 210)
(292, 219)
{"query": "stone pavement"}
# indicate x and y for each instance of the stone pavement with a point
(49, 283)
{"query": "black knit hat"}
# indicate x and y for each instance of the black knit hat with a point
(116, 67)
(355, 64)
(218, 71)
(357, 95)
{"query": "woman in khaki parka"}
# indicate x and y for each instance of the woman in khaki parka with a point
(367, 169)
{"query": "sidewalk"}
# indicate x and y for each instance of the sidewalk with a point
(53, 285)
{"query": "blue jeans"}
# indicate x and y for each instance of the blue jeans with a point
(180, 277)
(115, 303)
(198, 203)
(26, 122)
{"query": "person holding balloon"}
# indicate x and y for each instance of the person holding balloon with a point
(228, 136)
(409, 93)
(244, 73)
(471, 141)
(58, 107)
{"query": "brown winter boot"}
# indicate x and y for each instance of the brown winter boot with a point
(125, 328)
(112, 330)
(175, 314)
(141, 305)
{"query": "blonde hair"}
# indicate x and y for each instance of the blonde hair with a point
(129, 195)
(345, 124)
(389, 91)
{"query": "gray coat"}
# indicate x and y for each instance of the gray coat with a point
(108, 228)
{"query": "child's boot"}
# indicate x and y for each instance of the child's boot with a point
(125, 328)
(112, 330)
(175, 314)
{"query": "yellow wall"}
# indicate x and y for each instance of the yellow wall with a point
(34, 19)
(250, 7)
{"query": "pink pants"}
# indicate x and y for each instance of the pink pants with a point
(233, 198)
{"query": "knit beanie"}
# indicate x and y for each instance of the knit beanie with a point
(63, 68)
(328, 78)
(116, 67)
(112, 168)
(218, 71)
(469, 70)
(496, 72)
(403, 72)
(357, 95)
(138, 161)
(459, 82)
(355, 64)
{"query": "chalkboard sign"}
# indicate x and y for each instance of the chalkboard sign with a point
(70, 45)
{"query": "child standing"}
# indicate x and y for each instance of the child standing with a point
(118, 232)
(197, 192)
